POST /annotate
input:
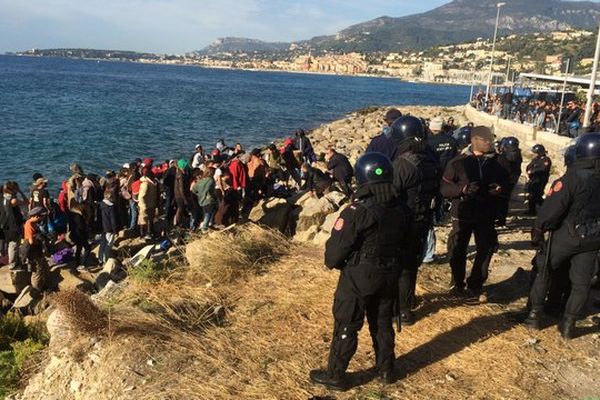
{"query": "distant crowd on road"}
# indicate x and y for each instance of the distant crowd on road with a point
(545, 114)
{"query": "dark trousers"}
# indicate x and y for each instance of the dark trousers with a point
(363, 289)
(504, 204)
(407, 281)
(486, 242)
(344, 183)
(535, 190)
(582, 267)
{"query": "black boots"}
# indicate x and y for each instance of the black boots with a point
(566, 327)
(534, 320)
(387, 378)
(330, 380)
(407, 318)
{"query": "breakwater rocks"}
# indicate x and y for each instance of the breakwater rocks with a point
(351, 135)
(311, 219)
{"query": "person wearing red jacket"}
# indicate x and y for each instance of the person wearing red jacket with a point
(239, 172)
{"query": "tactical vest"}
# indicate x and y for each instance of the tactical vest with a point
(421, 199)
(584, 215)
(384, 241)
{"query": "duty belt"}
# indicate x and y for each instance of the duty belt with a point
(588, 229)
(376, 258)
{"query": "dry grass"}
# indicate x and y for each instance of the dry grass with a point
(257, 337)
(224, 256)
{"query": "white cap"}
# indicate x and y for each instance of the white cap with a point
(436, 124)
(198, 146)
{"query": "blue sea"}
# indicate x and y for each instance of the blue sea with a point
(54, 112)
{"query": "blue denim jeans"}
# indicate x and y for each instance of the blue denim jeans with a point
(108, 239)
(133, 212)
(209, 214)
(429, 250)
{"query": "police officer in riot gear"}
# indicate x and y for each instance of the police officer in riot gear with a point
(571, 212)
(569, 156)
(511, 158)
(417, 178)
(367, 245)
(538, 172)
(463, 137)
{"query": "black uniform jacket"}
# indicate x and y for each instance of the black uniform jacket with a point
(417, 179)
(371, 232)
(572, 205)
(539, 168)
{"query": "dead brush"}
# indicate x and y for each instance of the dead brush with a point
(222, 257)
(176, 305)
(81, 312)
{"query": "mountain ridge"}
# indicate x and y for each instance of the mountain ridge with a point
(454, 22)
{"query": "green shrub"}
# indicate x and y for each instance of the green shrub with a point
(18, 342)
(149, 271)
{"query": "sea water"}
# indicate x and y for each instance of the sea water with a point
(101, 114)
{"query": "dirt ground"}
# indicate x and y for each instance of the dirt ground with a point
(280, 327)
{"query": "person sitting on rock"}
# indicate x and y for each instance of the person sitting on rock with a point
(315, 180)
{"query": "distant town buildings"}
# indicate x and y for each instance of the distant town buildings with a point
(465, 63)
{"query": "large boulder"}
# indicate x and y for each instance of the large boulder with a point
(314, 212)
(274, 213)
(336, 198)
(65, 279)
(27, 300)
(307, 235)
(13, 282)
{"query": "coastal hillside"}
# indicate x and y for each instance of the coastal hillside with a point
(245, 313)
(455, 22)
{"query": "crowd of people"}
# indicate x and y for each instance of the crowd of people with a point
(146, 199)
(545, 114)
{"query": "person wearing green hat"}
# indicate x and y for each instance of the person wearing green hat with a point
(183, 164)
(182, 191)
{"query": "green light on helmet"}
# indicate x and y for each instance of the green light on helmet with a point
(378, 171)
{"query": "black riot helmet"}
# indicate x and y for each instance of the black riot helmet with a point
(588, 147)
(539, 149)
(509, 143)
(569, 155)
(407, 127)
(463, 137)
(373, 168)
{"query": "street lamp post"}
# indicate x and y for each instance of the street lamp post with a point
(590, 93)
(487, 91)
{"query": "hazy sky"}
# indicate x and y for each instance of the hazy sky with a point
(178, 26)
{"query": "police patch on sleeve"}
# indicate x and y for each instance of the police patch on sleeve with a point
(558, 185)
(339, 224)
